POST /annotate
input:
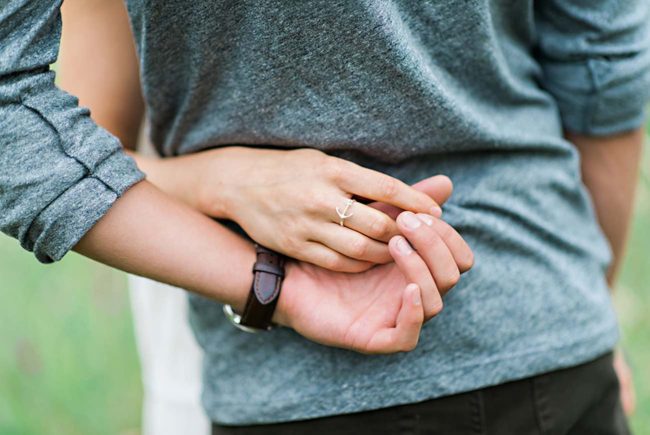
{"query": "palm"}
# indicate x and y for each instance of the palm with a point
(353, 311)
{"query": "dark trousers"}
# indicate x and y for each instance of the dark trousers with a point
(578, 400)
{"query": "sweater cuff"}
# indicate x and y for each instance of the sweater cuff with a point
(600, 96)
(58, 228)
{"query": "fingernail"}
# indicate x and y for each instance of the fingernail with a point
(436, 211)
(403, 246)
(425, 218)
(417, 300)
(410, 220)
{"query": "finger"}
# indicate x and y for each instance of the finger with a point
(406, 333)
(624, 374)
(367, 220)
(377, 186)
(351, 243)
(432, 249)
(459, 249)
(438, 187)
(322, 256)
(416, 270)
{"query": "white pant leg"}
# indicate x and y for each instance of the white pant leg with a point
(170, 358)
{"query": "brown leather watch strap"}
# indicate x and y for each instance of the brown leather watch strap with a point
(268, 272)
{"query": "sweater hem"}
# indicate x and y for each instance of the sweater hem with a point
(504, 368)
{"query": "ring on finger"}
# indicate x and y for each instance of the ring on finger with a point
(345, 213)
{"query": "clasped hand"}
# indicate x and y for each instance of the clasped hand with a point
(404, 257)
(381, 310)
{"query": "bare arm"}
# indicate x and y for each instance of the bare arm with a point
(98, 64)
(610, 169)
(150, 234)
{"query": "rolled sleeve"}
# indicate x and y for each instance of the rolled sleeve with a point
(59, 171)
(595, 58)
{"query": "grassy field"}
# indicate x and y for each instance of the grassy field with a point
(68, 363)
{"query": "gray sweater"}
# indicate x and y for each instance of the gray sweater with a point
(479, 90)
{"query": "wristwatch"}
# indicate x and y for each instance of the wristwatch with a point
(268, 272)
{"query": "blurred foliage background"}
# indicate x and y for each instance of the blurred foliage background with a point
(68, 362)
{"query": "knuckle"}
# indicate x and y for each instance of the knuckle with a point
(455, 277)
(445, 230)
(333, 262)
(429, 238)
(449, 280)
(381, 228)
(287, 242)
(410, 344)
(434, 309)
(312, 206)
(389, 187)
(335, 169)
(468, 261)
(317, 203)
(359, 247)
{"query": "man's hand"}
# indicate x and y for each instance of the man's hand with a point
(624, 374)
(382, 309)
(376, 311)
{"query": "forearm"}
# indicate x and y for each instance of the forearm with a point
(610, 167)
(181, 178)
(149, 234)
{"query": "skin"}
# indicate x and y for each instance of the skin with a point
(609, 164)
(99, 65)
(610, 171)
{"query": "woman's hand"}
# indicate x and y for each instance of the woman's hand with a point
(287, 200)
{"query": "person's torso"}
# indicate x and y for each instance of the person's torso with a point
(391, 79)
(412, 88)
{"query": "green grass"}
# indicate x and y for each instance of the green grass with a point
(68, 362)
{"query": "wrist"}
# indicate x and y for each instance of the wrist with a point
(283, 309)
(281, 315)
(259, 312)
(215, 188)
(180, 177)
